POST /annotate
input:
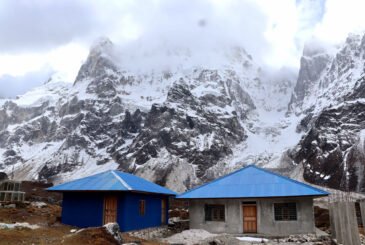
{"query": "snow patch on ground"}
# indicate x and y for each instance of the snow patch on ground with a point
(252, 239)
(38, 204)
(189, 237)
(18, 225)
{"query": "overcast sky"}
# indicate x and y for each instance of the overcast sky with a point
(39, 37)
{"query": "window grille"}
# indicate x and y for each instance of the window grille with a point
(214, 212)
(285, 211)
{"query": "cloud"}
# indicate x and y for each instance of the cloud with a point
(37, 25)
(12, 86)
(271, 31)
(57, 34)
(166, 29)
(66, 58)
(340, 18)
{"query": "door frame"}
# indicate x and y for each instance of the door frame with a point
(104, 204)
(249, 204)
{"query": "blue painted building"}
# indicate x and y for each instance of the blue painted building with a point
(253, 200)
(113, 196)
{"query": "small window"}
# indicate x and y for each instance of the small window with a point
(214, 213)
(285, 211)
(142, 207)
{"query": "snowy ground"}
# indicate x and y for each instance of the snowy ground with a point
(190, 237)
(198, 236)
(252, 239)
(18, 225)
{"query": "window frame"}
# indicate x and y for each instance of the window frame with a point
(215, 212)
(285, 211)
(142, 207)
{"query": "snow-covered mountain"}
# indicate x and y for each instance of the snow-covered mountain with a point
(330, 96)
(183, 123)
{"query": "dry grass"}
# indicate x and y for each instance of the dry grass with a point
(52, 231)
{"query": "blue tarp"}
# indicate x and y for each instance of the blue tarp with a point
(112, 181)
(252, 182)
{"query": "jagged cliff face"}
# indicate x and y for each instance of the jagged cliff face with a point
(186, 123)
(328, 76)
(331, 100)
(169, 126)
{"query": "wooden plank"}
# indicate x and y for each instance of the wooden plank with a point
(142, 207)
(163, 211)
(249, 218)
(110, 209)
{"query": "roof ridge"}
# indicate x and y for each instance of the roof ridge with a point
(213, 181)
(292, 180)
(121, 180)
(258, 168)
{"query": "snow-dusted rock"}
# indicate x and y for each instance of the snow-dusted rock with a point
(113, 229)
(190, 121)
(38, 204)
(331, 151)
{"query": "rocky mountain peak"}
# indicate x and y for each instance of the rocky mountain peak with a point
(327, 75)
(102, 45)
(98, 62)
(313, 63)
(180, 118)
(332, 108)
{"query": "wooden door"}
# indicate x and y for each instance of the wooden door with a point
(163, 211)
(249, 218)
(110, 209)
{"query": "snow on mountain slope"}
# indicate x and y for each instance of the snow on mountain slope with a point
(332, 107)
(183, 117)
(112, 117)
(327, 76)
(187, 123)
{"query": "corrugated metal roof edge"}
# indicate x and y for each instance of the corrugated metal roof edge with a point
(172, 193)
(211, 182)
(250, 198)
(119, 179)
(133, 191)
(252, 165)
(324, 193)
(72, 181)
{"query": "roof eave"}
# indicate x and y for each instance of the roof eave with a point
(259, 197)
(133, 191)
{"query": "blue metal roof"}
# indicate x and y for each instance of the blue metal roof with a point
(112, 180)
(252, 182)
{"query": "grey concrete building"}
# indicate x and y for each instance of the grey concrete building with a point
(253, 200)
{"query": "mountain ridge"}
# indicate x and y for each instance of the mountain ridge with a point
(186, 125)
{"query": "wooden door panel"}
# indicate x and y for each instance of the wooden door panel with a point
(110, 209)
(163, 211)
(249, 219)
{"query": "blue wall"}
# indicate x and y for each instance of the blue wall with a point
(82, 209)
(85, 209)
(128, 211)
